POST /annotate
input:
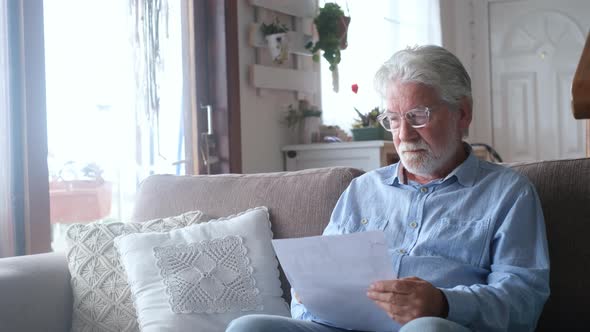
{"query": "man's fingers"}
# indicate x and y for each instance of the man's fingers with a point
(388, 297)
(397, 313)
(400, 286)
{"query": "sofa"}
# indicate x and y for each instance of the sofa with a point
(35, 293)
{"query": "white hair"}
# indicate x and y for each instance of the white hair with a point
(430, 65)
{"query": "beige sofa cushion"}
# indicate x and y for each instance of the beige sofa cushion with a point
(564, 189)
(300, 203)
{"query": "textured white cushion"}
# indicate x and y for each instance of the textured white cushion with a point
(102, 300)
(201, 277)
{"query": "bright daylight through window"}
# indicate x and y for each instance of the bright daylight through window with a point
(100, 142)
(374, 34)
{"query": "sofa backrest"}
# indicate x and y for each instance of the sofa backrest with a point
(300, 203)
(564, 189)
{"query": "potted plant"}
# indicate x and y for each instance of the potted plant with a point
(366, 127)
(275, 34)
(332, 27)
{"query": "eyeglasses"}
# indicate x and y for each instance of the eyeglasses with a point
(417, 118)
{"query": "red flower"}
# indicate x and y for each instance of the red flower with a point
(355, 88)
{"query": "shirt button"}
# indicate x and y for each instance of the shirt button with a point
(402, 251)
(413, 224)
(424, 190)
(364, 221)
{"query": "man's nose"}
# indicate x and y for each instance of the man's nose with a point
(406, 132)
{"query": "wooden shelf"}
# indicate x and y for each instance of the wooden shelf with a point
(300, 8)
(283, 79)
(298, 74)
(297, 40)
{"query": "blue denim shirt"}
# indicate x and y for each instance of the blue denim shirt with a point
(478, 235)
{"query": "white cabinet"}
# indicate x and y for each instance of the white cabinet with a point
(366, 155)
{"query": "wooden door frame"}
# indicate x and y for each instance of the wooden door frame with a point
(233, 86)
(216, 58)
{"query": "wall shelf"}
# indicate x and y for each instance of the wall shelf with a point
(283, 79)
(300, 8)
(297, 40)
(299, 74)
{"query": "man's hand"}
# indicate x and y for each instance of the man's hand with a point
(408, 298)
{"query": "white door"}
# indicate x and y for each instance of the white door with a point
(535, 46)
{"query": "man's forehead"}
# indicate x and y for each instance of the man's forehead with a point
(411, 95)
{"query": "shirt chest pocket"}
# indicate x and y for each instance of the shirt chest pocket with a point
(460, 240)
(365, 223)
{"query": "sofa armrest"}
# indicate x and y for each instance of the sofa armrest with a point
(35, 293)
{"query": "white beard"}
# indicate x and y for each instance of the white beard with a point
(426, 163)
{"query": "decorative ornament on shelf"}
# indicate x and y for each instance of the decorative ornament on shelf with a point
(332, 28)
(366, 127)
(276, 37)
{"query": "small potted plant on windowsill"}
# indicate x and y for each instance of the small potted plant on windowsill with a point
(275, 34)
(366, 127)
(332, 27)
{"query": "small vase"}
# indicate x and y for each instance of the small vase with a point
(310, 129)
(278, 45)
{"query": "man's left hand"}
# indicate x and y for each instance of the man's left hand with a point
(408, 298)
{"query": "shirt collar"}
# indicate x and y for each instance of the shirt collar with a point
(465, 172)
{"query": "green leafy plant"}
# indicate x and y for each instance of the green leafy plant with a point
(294, 115)
(273, 28)
(368, 119)
(332, 26)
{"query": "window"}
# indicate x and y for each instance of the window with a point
(101, 142)
(376, 31)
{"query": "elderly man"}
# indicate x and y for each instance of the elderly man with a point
(466, 237)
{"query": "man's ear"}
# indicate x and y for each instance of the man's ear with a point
(465, 114)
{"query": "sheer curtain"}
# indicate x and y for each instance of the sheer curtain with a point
(377, 30)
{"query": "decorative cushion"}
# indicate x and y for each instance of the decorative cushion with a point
(102, 300)
(203, 276)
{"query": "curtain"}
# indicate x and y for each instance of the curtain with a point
(24, 192)
(376, 31)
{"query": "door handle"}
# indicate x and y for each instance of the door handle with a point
(207, 143)
(209, 110)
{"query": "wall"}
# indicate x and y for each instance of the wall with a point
(261, 113)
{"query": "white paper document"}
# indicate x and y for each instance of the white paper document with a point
(331, 275)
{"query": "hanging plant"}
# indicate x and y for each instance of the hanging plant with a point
(332, 27)
(149, 16)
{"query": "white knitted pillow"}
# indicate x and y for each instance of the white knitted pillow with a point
(102, 300)
(201, 277)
